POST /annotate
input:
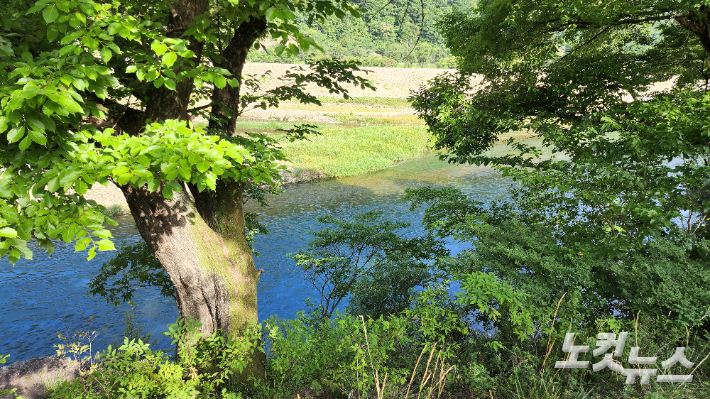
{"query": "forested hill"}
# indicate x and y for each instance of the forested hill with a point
(385, 34)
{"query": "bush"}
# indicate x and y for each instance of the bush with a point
(350, 356)
(205, 367)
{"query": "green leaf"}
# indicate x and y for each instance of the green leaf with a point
(80, 17)
(235, 154)
(34, 123)
(53, 185)
(15, 134)
(50, 13)
(169, 59)
(271, 14)
(185, 173)
(102, 233)
(194, 159)
(52, 33)
(106, 245)
(169, 83)
(21, 245)
(71, 37)
(81, 187)
(92, 253)
(8, 232)
(168, 192)
(203, 166)
(38, 137)
(113, 28)
(159, 47)
(38, 6)
(25, 143)
(81, 244)
(153, 185)
(106, 54)
(220, 81)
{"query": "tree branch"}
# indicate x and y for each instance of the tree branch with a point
(200, 108)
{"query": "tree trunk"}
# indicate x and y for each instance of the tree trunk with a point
(201, 243)
(213, 272)
(225, 102)
(699, 24)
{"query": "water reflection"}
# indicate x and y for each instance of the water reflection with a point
(291, 215)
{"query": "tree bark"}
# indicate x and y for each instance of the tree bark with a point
(213, 271)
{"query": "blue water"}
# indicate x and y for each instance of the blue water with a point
(46, 296)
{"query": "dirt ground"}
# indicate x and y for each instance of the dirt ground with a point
(32, 377)
(389, 82)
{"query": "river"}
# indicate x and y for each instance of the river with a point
(46, 296)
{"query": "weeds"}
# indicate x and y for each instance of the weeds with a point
(113, 211)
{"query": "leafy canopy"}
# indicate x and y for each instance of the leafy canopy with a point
(75, 72)
(612, 201)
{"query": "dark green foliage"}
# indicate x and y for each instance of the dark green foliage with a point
(349, 356)
(387, 289)
(515, 241)
(334, 356)
(617, 218)
(352, 255)
(558, 72)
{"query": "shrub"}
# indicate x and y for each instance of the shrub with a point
(205, 367)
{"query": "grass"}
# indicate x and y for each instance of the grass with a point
(360, 119)
(343, 151)
(263, 126)
(113, 211)
(373, 133)
(371, 102)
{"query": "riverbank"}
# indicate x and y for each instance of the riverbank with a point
(358, 135)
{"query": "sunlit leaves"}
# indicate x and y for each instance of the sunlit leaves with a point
(56, 88)
(171, 151)
(169, 59)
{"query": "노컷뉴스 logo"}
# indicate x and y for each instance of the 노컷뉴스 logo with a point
(606, 341)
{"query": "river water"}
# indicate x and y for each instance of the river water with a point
(46, 296)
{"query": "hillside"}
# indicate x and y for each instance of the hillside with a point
(389, 33)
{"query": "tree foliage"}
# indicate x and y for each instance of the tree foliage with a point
(367, 258)
(617, 215)
(74, 75)
(386, 34)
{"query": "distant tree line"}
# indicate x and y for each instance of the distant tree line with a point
(389, 34)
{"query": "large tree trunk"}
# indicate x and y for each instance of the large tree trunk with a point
(200, 241)
(213, 271)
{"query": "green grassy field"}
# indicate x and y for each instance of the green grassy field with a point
(369, 133)
(346, 151)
